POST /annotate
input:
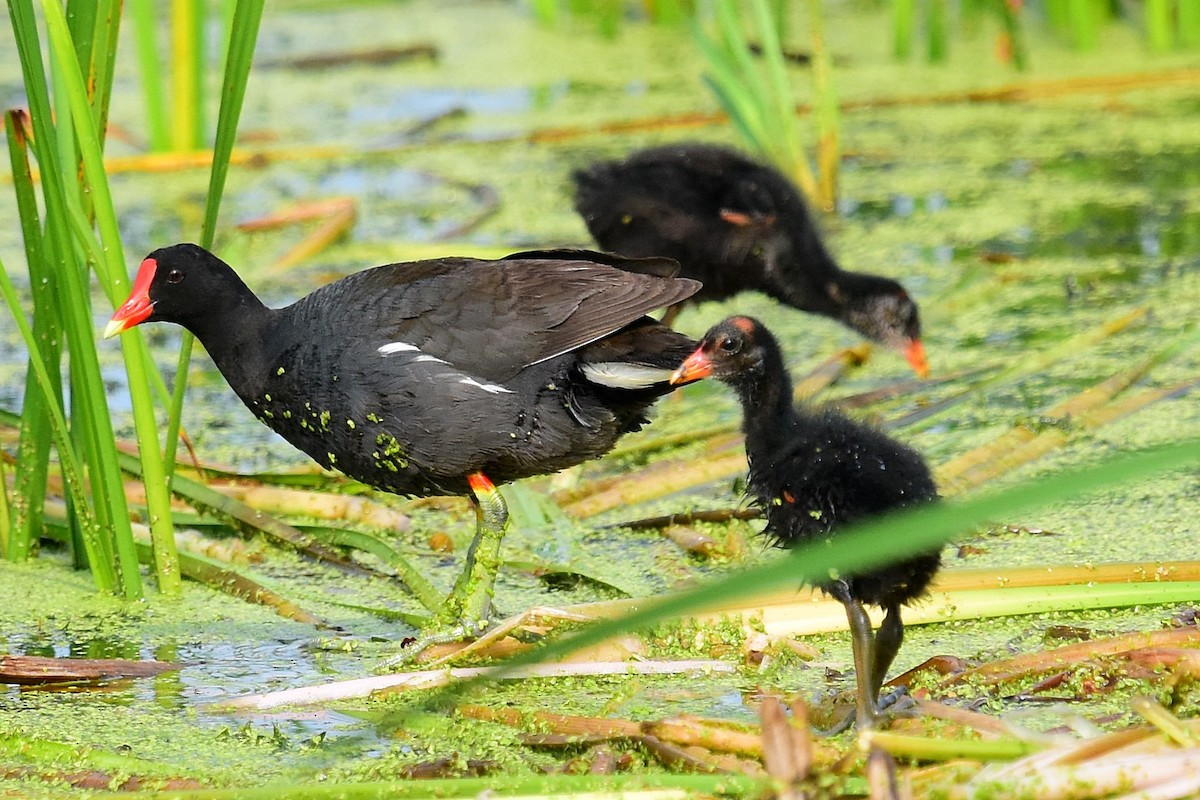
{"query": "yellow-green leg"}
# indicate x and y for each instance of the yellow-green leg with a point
(470, 601)
(466, 612)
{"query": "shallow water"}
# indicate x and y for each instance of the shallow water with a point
(1016, 226)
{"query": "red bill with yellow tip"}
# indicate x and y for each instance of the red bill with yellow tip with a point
(915, 353)
(696, 366)
(138, 306)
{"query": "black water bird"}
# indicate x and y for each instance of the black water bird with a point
(437, 377)
(814, 472)
(736, 225)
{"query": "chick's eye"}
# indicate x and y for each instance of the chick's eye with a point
(729, 345)
(175, 276)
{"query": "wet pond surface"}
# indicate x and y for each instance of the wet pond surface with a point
(1015, 225)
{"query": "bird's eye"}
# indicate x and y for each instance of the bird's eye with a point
(729, 345)
(175, 276)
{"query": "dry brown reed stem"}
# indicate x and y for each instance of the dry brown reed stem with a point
(727, 440)
(830, 371)
(1169, 724)
(662, 479)
(787, 748)
(709, 734)
(37, 670)
(336, 216)
(322, 505)
(1030, 364)
(881, 776)
(974, 467)
(548, 722)
(1032, 663)
(691, 540)
(696, 759)
(1087, 411)
(687, 743)
(982, 723)
(1098, 778)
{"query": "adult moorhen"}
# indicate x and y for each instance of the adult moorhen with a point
(437, 377)
(736, 225)
(815, 471)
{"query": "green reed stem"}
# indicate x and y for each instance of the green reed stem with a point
(1189, 23)
(144, 15)
(100, 44)
(49, 142)
(33, 443)
(777, 88)
(185, 78)
(1158, 15)
(926, 749)
(5, 513)
(109, 260)
(936, 25)
(904, 14)
(106, 474)
(247, 17)
(103, 571)
(826, 114)
(1084, 20)
(1011, 18)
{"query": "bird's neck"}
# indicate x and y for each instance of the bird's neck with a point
(808, 271)
(766, 399)
(237, 338)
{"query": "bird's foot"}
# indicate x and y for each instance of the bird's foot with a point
(436, 633)
(896, 703)
(532, 623)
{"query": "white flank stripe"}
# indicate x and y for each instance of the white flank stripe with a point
(435, 359)
(618, 375)
(487, 387)
(397, 347)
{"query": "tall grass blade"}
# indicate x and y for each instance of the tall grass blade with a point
(87, 383)
(778, 88)
(1158, 15)
(247, 17)
(1189, 23)
(33, 443)
(5, 512)
(186, 69)
(1083, 17)
(144, 15)
(904, 14)
(826, 114)
(103, 569)
(1015, 36)
(938, 35)
(99, 40)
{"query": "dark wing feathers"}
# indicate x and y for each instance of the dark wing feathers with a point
(654, 265)
(492, 319)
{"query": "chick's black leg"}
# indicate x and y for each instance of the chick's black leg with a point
(888, 639)
(862, 642)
